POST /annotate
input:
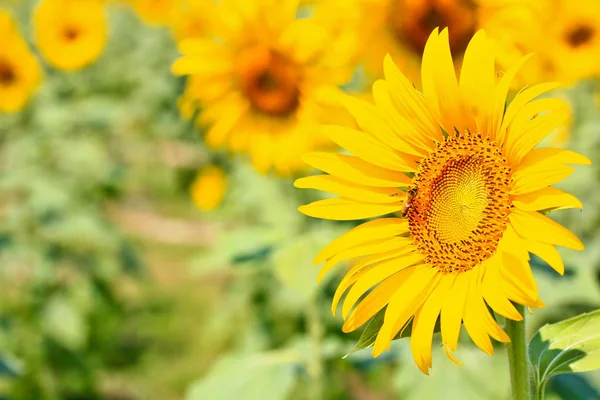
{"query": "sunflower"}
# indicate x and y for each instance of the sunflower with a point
(70, 34)
(155, 12)
(20, 73)
(264, 80)
(565, 36)
(209, 188)
(400, 28)
(573, 43)
(189, 19)
(467, 190)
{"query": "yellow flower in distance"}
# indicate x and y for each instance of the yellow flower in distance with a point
(209, 188)
(155, 12)
(70, 34)
(400, 28)
(189, 19)
(467, 189)
(573, 43)
(264, 81)
(563, 34)
(20, 72)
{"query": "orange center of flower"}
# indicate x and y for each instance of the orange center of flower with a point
(70, 33)
(270, 81)
(412, 21)
(462, 202)
(7, 73)
(580, 35)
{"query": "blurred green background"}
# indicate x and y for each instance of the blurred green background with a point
(115, 286)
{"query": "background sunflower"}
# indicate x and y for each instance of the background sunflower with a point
(117, 284)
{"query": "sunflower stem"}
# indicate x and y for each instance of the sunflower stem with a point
(517, 357)
(315, 365)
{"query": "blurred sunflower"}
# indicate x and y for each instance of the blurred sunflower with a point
(573, 43)
(563, 34)
(20, 72)
(400, 28)
(70, 34)
(155, 12)
(189, 19)
(470, 193)
(209, 188)
(264, 80)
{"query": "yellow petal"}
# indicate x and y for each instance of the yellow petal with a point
(518, 278)
(409, 102)
(346, 210)
(535, 226)
(494, 294)
(474, 319)
(370, 120)
(499, 119)
(549, 156)
(198, 65)
(453, 310)
(356, 170)
(520, 100)
(546, 252)
(424, 323)
(375, 275)
(332, 184)
(546, 199)
(376, 300)
(361, 268)
(404, 304)
(421, 141)
(537, 179)
(372, 247)
(527, 132)
(368, 148)
(382, 228)
(477, 79)
(440, 87)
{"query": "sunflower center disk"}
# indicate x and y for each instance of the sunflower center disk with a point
(269, 80)
(580, 35)
(462, 203)
(412, 22)
(7, 73)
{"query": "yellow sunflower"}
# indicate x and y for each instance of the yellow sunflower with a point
(20, 73)
(70, 34)
(564, 34)
(189, 19)
(155, 12)
(264, 81)
(209, 188)
(469, 191)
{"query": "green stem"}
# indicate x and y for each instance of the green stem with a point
(315, 365)
(517, 357)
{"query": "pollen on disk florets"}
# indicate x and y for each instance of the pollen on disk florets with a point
(462, 203)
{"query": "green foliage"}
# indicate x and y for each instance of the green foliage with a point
(572, 345)
(257, 377)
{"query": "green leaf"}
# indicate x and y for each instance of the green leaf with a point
(572, 345)
(369, 334)
(249, 377)
(573, 387)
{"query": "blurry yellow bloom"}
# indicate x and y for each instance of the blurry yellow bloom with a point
(155, 12)
(264, 80)
(563, 34)
(467, 185)
(20, 73)
(209, 188)
(70, 34)
(189, 19)
(399, 27)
